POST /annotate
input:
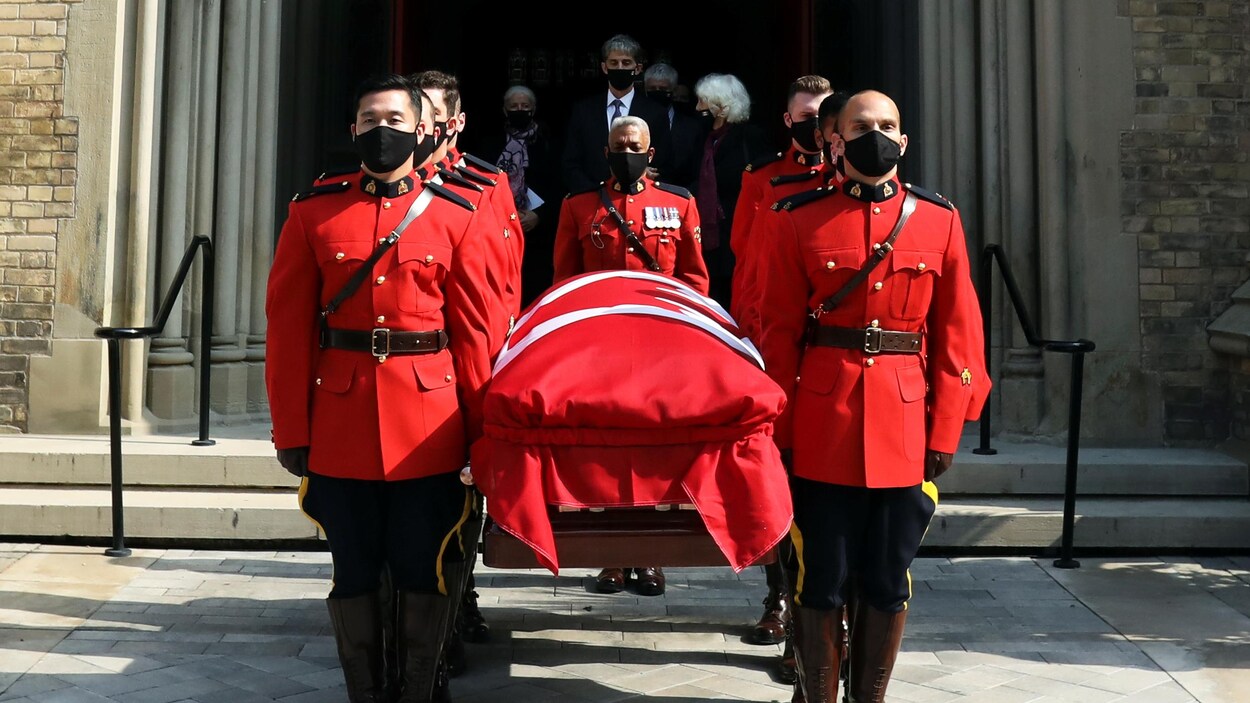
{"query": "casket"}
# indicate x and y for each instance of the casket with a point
(621, 398)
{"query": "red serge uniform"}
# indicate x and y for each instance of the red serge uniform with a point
(365, 416)
(763, 184)
(499, 193)
(855, 418)
(663, 216)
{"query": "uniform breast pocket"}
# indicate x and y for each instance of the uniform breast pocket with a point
(913, 276)
(830, 268)
(339, 260)
(423, 268)
(662, 244)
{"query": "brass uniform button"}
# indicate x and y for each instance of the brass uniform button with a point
(874, 323)
(339, 256)
(381, 319)
(920, 266)
(429, 258)
(876, 211)
(876, 247)
(447, 378)
(318, 382)
(877, 286)
(829, 265)
(506, 234)
(381, 280)
(386, 206)
(870, 362)
(630, 200)
(630, 250)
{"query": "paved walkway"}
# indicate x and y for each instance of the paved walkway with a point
(166, 626)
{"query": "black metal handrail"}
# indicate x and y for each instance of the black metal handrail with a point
(1077, 348)
(114, 336)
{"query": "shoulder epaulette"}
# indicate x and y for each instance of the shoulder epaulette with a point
(321, 190)
(455, 179)
(772, 158)
(482, 164)
(793, 177)
(932, 196)
(448, 195)
(589, 189)
(336, 172)
(676, 190)
(475, 176)
(800, 199)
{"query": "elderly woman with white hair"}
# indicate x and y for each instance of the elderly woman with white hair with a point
(731, 145)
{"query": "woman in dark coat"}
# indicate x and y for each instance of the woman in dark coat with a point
(730, 145)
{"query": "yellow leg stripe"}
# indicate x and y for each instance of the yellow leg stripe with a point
(455, 532)
(930, 489)
(796, 538)
(321, 532)
(908, 590)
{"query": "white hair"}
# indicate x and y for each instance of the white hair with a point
(724, 92)
(632, 121)
(660, 72)
(520, 90)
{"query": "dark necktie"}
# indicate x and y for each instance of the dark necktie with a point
(616, 108)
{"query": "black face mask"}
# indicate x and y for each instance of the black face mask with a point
(383, 149)
(662, 97)
(804, 134)
(440, 128)
(872, 154)
(627, 167)
(706, 118)
(519, 119)
(423, 150)
(621, 78)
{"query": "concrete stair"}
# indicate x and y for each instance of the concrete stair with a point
(57, 488)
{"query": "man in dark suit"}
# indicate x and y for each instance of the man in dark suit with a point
(686, 131)
(583, 164)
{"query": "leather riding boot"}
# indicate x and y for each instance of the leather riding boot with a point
(473, 626)
(422, 629)
(785, 666)
(875, 639)
(771, 628)
(358, 633)
(818, 653)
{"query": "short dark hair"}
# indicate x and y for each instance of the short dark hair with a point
(437, 80)
(808, 84)
(383, 82)
(831, 107)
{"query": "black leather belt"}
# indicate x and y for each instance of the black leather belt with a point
(870, 340)
(382, 341)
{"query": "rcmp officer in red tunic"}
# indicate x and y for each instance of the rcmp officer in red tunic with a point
(595, 227)
(630, 222)
(874, 330)
(787, 172)
(376, 362)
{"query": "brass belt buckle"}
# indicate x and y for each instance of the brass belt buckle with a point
(380, 342)
(872, 340)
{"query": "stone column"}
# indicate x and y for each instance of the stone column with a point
(263, 212)
(206, 148)
(171, 379)
(229, 375)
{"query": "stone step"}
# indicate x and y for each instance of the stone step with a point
(1013, 523)
(244, 460)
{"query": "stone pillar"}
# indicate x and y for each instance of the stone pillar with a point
(1021, 108)
(229, 374)
(205, 164)
(171, 379)
(263, 197)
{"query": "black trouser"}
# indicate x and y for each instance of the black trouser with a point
(853, 535)
(412, 527)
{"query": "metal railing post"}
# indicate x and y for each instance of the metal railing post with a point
(114, 337)
(115, 448)
(1065, 560)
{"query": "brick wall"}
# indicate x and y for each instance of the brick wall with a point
(1186, 174)
(38, 159)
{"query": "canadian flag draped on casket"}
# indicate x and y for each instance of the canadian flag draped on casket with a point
(625, 389)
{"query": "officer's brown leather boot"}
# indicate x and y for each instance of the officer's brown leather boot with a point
(818, 653)
(875, 640)
(424, 620)
(771, 628)
(358, 633)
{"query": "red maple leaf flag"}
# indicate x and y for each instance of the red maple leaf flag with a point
(628, 389)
